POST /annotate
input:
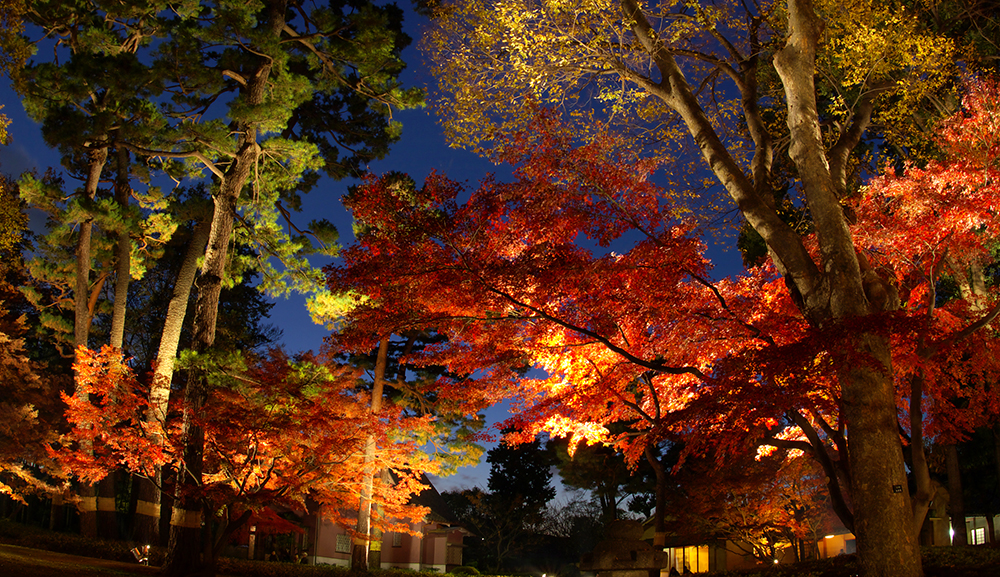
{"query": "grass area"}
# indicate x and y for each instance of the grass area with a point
(978, 561)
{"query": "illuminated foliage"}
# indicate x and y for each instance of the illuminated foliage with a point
(934, 223)
(30, 399)
(256, 99)
(32, 421)
(494, 59)
(13, 49)
(13, 220)
(502, 277)
(752, 84)
(281, 431)
(580, 270)
(761, 507)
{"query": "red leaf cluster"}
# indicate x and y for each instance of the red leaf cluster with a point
(278, 432)
(580, 292)
(532, 275)
(934, 224)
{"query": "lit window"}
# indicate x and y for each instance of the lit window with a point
(979, 536)
(343, 543)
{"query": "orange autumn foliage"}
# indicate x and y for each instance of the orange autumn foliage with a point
(532, 274)
(938, 223)
(279, 431)
(586, 271)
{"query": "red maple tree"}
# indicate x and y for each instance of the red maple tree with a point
(583, 269)
(933, 228)
(760, 504)
(281, 432)
(529, 275)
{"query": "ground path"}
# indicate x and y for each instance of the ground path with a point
(24, 562)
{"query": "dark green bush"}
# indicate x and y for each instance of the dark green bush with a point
(464, 570)
(969, 556)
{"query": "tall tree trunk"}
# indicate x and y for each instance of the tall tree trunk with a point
(972, 285)
(147, 519)
(375, 546)
(185, 541)
(921, 473)
(57, 513)
(183, 548)
(185, 544)
(107, 515)
(82, 316)
(956, 503)
(123, 266)
(834, 289)
(660, 513)
(883, 519)
(359, 550)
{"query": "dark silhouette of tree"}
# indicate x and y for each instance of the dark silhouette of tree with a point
(506, 519)
(604, 472)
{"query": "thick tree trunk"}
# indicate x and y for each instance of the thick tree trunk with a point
(170, 336)
(186, 519)
(883, 522)
(146, 517)
(57, 513)
(107, 515)
(81, 317)
(835, 289)
(879, 492)
(375, 549)
(184, 546)
(168, 483)
(123, 253)
(148, 509)
(360, 549)
(956, 503)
